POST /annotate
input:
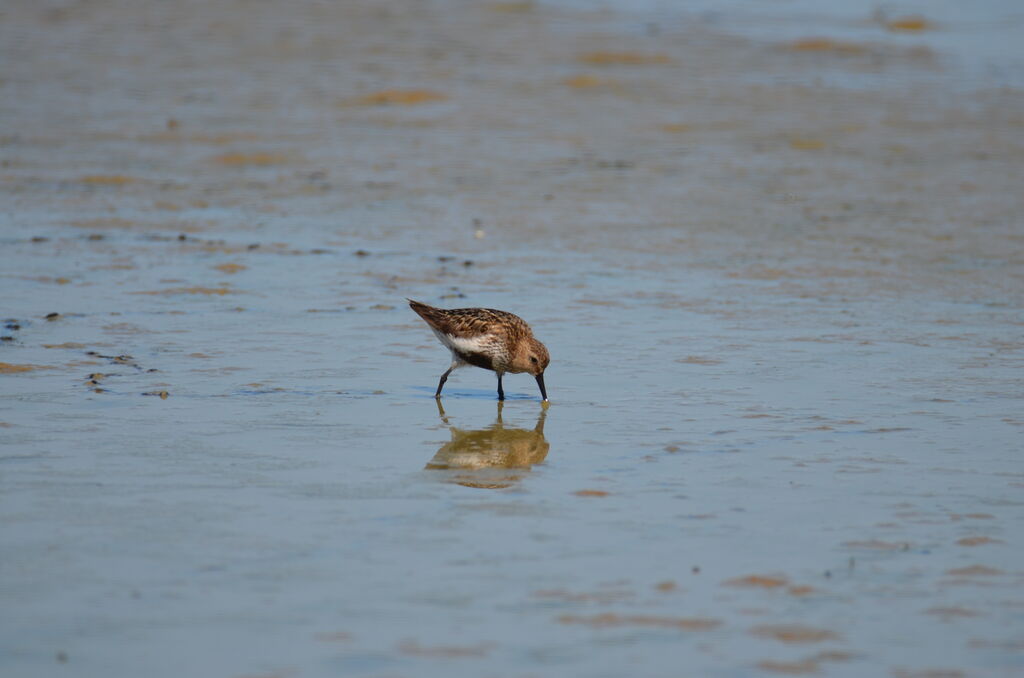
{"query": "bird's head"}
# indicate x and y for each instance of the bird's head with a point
(534, 358)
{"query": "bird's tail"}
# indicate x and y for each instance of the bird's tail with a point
(422, 310)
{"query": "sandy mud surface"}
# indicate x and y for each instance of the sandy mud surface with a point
(780, 273)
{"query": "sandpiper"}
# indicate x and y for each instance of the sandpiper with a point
(494, 340)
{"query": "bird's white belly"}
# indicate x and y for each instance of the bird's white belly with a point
(483, 344)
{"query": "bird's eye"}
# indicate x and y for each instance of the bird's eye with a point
(533, 360)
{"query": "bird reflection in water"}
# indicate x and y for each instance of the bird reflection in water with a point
(492, 458)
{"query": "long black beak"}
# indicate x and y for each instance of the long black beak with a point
(540, 382)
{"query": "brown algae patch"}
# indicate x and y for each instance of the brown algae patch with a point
(974, 571)
(102, 223)
(825, 45)
(590, 493)
(623, 59)
(978, 541)
(805, 144)
(111, 223)
(610, 619)
(396, 97)
(908, 24)
(230, 268)
(107, 179)
(698, 360)
(803, 590)
(797, 668)
(756, 581)
(876, 545)
(805, 666)
(10, 368)
(793, 633)
(219, 291)
(251, 159)
(411, 647)
(221, 139)
(586, 81)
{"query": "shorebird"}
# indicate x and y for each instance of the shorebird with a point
(484, 337)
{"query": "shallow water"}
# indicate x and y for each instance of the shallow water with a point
(785, 328)
(978, 43)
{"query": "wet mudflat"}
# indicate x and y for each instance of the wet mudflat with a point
(781, 280)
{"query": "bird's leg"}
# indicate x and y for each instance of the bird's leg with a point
(501, 391)
(444, 378)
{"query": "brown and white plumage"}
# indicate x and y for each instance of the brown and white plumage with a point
(487, 338)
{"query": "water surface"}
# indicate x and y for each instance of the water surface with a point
(785, 324)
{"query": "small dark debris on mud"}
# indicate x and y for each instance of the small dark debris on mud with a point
(361, 253)
(161, 394)
(123, 359)
(52, 316)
